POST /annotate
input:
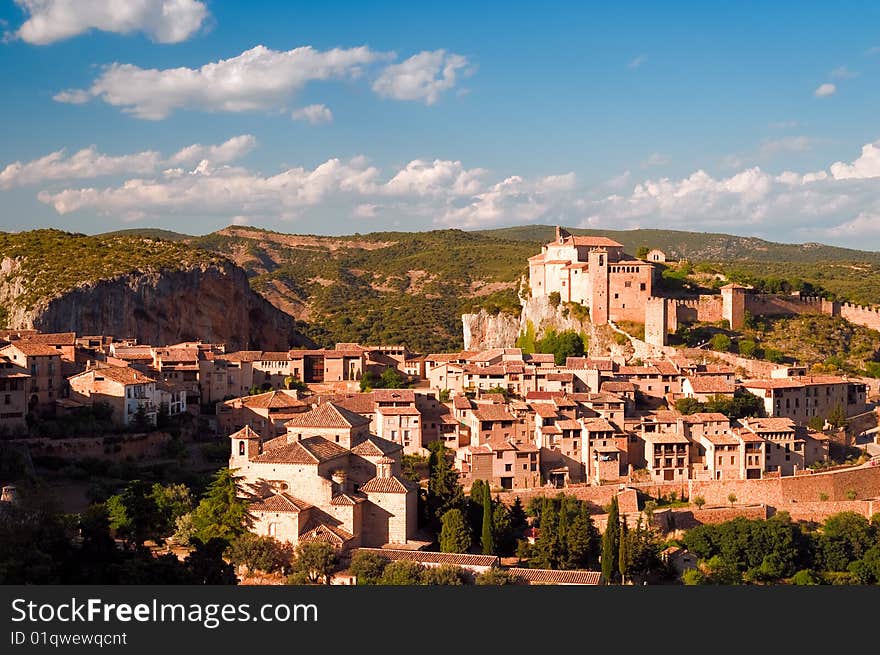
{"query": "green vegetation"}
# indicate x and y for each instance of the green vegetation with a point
(567, 537)
(52, 261)
(259, 553)
(390, 378)
(844, 550)
(313, 564)
(444, 489)
(743, 403)
(562, 344)
(455, 535)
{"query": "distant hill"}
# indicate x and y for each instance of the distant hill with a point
(412, 287)
(148, 232)
(699, 246)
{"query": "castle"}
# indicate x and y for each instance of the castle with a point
(614, 286)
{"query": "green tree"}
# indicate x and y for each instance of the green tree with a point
(292, 383)
(259, 553)
(623, 551)
(444, 489)
(487, 540)
(314, 562)
(642, 252)
(206, 565)
(172, 502)
(747, 347)
(221, 513)
(582, 540)
(391, 378)
(502, 530)
(610, 542)
(688, 405)
(773, 355)
(447, 575)
(546, 551)
(837, 416)
(806, 577)
(555, 298)
(402, 573)
(495, 576)
(455, 536)
(720, 342)
(699, 501)
(134, 515)
(367, 567)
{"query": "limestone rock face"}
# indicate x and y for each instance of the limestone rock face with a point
(483, 331)
(211, 302)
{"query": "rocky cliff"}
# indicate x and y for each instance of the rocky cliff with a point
(483, 330)
(212, 302)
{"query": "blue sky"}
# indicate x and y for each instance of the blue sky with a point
(336, 117)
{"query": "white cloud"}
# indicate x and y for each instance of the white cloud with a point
(73, 96)
(825, 90)
(638, 61)
(89, 163)
(257, 79)
(424, 178)
(836, 204)
(314, 114)
(656, 159)
(866, 166)
(842, 73)
(165, 21)
(422, 77)
(365, 210)
(230, 150)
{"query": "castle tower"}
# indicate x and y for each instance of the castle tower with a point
(245, 445)
(655, 321)
(598, 271)
(733, 305)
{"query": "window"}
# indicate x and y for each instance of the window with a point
(642, 286)
(508, 467)
(627, 284)
(241, 447)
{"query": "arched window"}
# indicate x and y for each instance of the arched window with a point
(241, 447)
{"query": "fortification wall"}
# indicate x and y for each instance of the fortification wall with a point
(706, 308)
(763, 304)
(868, 317)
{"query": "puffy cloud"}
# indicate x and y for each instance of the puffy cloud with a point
(867, 165)
(825, 90)
(231, 150)
(423, 178)
(165, 21)
(422, 77)
(73, 96)
(89, 163)
(314, 114)
(257, 79)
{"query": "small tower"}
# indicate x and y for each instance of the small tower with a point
(383, 467)
(244, 445)
(655, 321)
(598, 271)
(733, 305)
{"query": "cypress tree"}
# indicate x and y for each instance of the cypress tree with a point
(610, 544)
(487, 539)
(623, 552)
(455, 537)
(444, 489)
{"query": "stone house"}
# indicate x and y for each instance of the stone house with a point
(127, 390)
(43, 363)
(14, 384)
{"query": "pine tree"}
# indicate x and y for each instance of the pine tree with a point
(562, 532)
(546, 550)
(487, 540)
(610, 544)
(502, 535)
(518, 522)
(581, 540)
(623, 552)
(221, 513)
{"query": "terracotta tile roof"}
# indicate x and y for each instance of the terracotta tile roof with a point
(376, 447)
(550, 576)
(495, 398)
(486, 355)
(392, 395)
(769, 424)
(432, 557)
(598, 425)
(545, 410)
(243, 356)
(568, 424)
(723, 439)
(391, 485)
(359, 403)
(711, 384)
(665, 437)
(541, 396)
(779, 383)
(498, 444)
(705, 417)
(30, 349)
(398, 411)
(313, 450)
(618, 386)
(540, 358)
(550, 429)
(273, 400)
(178, 354)
(53, 339)
(280, 502)
(589, 364)
(564, 401)
(275, 356)
(120, 374)
(595, 242)
(461, 402)
(327, 415)
(746, 435)
(320, 531)
(493, 413)
(560, 377)
(664, 366)
(245, 433)
(638, 370)
(347, 499)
